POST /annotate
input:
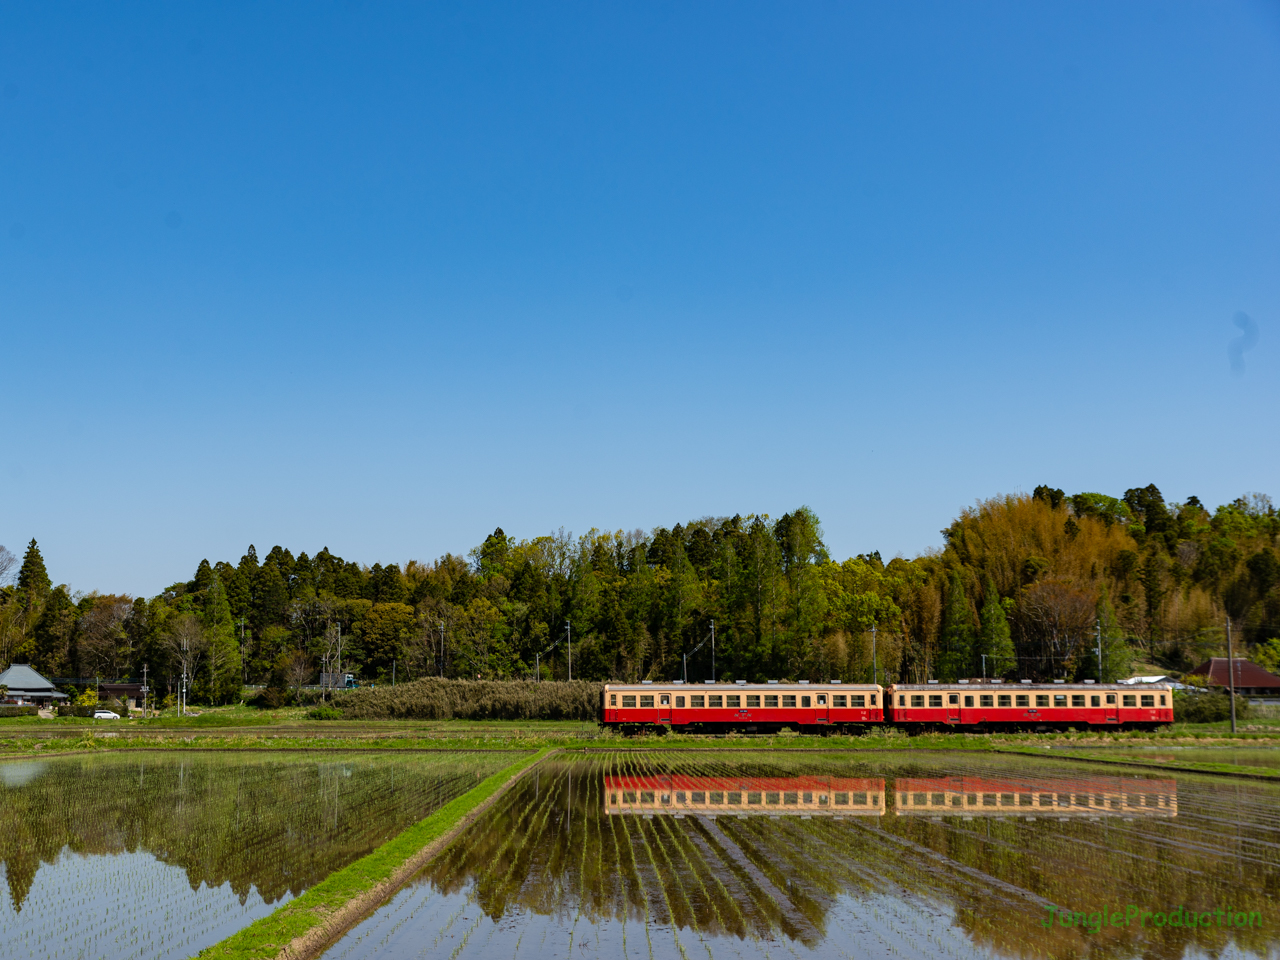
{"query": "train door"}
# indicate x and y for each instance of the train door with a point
(664, 708)
(1111, 709)
(953, 708)
(821, 714)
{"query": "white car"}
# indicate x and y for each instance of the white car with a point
(105, 715)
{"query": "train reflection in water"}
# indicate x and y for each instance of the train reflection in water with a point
(678, 795)
(1061, 798)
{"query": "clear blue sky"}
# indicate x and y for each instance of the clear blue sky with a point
(383, 277)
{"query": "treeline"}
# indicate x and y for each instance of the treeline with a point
(1024, 586)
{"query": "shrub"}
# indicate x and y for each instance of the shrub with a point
(13, 710)
(1206, 707)
(325, 713)
(434, 699)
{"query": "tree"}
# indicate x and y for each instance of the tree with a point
(186, 641)
(33, 578)
(55, 634)
(995, 639)
(225, 676)
(956, 658)
(7, 562)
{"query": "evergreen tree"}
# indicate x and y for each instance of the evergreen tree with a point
(995, 638)
(1117, 655)
(54, 635)
(956, 659)
(203, 577)
(223, 681)
(33, 578)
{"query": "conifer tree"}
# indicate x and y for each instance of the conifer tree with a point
(223, 681)
(995, 639)
(33, 578)
(956, 659)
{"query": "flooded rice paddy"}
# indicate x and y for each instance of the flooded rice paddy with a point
(158, 855)
(709, 855)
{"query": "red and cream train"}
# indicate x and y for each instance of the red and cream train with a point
(816, 707)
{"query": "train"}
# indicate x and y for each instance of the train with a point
(1087, 798)
(975, 705)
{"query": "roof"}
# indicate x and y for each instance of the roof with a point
(1012, 687)
(22, 680)
(1246, 674)
(1162, 678)
(729, 686)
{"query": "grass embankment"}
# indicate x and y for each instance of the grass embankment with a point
(311, 922)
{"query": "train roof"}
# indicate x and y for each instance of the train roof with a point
(1019, 686)
(731, 685)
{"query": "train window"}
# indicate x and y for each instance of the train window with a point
(1077, 699)
(679, 701)
(698, 797)
(1162, 699)
(715, 700)
(646, 796)
(919, 799)
(1095, 701)
(1006, 799)
(968, 701)
(953, 698)
(842, 799)
(984, 700)
(1046, 799)
(917, 700)
(666, 700)
(1111, 699)
(808, 798)
(753, 699)
(629, 796)
(773, 799)
(988, 799)
(733, 700)
(613, 699)
(858, 700)
(697, 700)
(971, 799)
(646, 701)
(628, 701)
(1042, 699)
(788, 700)
(1148, 700)
(681, 797)
(734, 797)
(858, 799)
(1059, 699)
(753, 798)
(957, 800)
(770, 699)
(822, 799)
(666, 799)
(717, 796)
(613, 799)
(791, 799)
(1025, 800)
(935, 699)
(839, 700)
(1003, 700)
(822, 699)
(806, 701)
(873, 699)
(1130, 700)
(1022, 700)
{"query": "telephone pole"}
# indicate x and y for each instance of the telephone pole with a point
(713, 651)
(1231, 676)
(568, 628)
(874, 671)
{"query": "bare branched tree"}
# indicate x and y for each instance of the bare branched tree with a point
(297, 672)
(187, 642)
(8, 566)
(1060, 615)
(102, 633)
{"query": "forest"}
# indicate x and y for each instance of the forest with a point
(1045, 585)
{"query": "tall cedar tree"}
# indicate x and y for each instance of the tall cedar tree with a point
(33, 578)
(995, 639)
(956, 658)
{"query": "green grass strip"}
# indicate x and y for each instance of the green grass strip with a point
(267, 937)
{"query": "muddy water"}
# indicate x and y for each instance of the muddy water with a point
(760, 855)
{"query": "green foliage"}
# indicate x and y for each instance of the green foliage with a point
(436, 699)
(33, 578)
(1206, 707)
(325, 713)
(956, 657)
(995, 639)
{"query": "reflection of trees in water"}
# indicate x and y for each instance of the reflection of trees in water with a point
(279, 825)
(762, 877)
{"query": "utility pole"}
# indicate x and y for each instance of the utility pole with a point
(144, 691)
(1231, 676)
(874, 671)
(441, 649)
(244, 667)
(568, 627)
(713, 651)
(393, 671)
(984, 666)
(1099, 649)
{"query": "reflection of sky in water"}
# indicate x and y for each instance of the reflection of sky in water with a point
(120, 906)
(583, 860)
(20, 773)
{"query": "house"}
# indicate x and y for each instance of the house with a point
(1250, 679)
(27, 686)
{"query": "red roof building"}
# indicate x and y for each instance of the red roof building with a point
(1250, 679)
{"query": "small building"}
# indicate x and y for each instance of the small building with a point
(1250, 679)
(27, 686)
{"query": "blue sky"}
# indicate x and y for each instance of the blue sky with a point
(384, 276)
